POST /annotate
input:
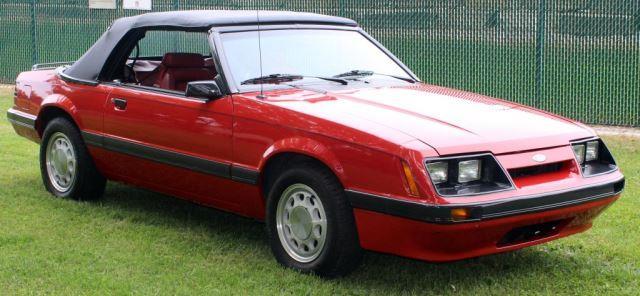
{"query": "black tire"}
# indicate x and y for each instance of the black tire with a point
(89, 183)
(341, 253)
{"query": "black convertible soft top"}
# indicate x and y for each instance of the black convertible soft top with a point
(88, 67)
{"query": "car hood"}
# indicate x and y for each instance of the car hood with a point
(453, 121)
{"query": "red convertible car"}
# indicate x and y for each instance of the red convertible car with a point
(308, 123)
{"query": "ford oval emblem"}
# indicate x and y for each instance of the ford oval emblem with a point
(539, 158)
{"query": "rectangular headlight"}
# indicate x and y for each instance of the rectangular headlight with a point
(578, 150)
(593, 157)
(469, 170)
(467, 175)
(591, 153)
(438, 171)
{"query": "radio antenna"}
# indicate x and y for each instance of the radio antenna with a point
(261, 96)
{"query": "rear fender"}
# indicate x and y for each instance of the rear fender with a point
(56, 101)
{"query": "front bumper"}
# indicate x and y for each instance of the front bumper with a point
(482, 211)
(426, 231)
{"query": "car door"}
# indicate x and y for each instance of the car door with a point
(166, 141)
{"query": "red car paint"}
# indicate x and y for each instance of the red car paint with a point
(362, 135)
(438, 243)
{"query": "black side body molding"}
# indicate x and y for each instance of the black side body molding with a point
(244, 175)
(180, 160)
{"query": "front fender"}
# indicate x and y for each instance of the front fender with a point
(304, 146)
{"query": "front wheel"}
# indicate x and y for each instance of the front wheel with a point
(310, 223)
(65, 164)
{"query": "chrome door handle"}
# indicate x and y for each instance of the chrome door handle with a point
(119, 104)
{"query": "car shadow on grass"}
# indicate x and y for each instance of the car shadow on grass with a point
(378, 272)
(152, 208)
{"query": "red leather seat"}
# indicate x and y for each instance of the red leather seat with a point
(178, 69)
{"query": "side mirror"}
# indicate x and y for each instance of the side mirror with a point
(208, 90)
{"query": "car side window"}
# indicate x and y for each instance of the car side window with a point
(169, 60)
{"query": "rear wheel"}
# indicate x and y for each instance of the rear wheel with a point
(310, 223)
(65, 164)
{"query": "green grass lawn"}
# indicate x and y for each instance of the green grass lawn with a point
(139, 242)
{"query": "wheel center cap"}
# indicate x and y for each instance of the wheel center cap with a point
(300, 223)
(61, 162)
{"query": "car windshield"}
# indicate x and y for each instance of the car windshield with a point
(305, 52)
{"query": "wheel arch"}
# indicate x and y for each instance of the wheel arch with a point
(53, 107)
(295, 150)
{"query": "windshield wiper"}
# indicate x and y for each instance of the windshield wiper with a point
(359, 73)
(278, 78)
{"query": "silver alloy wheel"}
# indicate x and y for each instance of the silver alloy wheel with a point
(301, 223)
(61, 162)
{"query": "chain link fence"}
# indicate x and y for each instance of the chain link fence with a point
(578, 58)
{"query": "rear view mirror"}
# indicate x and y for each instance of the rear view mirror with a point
(208, 90)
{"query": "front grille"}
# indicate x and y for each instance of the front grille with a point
(535, 170)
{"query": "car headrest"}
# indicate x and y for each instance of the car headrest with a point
(183, 60)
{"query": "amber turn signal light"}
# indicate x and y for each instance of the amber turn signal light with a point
(458, 214)
(413, 188)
